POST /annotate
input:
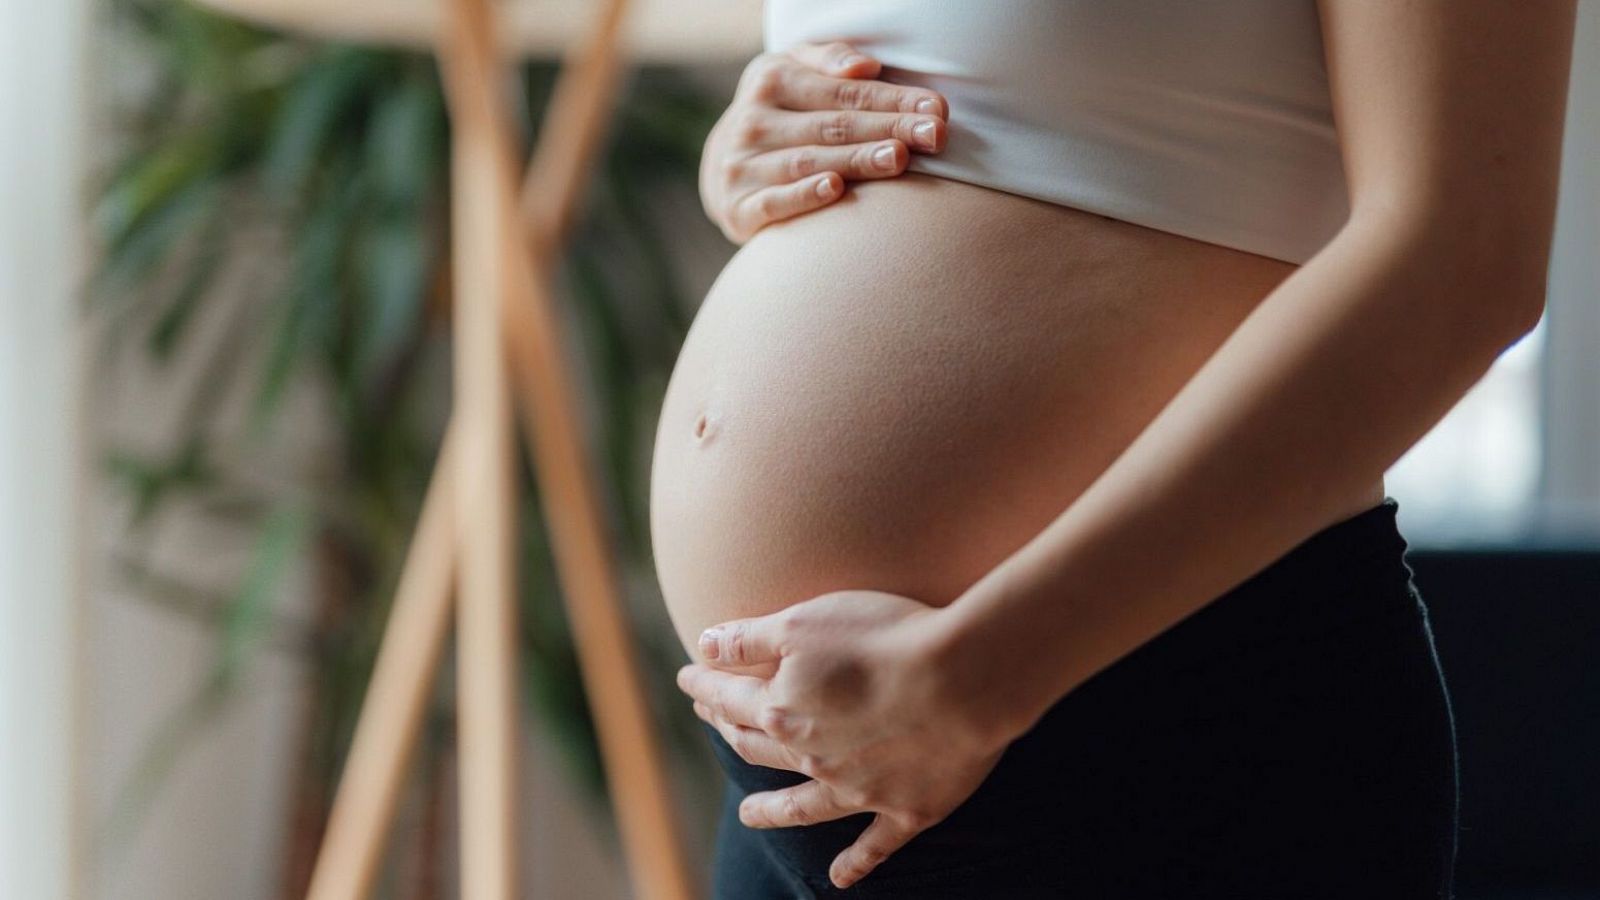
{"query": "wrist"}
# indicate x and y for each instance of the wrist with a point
(978, 672)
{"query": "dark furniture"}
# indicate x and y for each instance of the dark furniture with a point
(1518, 633)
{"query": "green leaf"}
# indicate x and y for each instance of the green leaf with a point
(152, 482)
(171, 325)
(393, 262)
(340, 155)
(158, 199)
(318, 103)
(311, 303)
(408, 139)
(282, 542)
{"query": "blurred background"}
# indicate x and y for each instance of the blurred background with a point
(223, 378)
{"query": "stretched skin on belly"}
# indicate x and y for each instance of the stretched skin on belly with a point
(897, 391)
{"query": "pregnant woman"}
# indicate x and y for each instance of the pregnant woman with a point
(1018, 492)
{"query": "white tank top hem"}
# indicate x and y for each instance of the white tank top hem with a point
(1209, 119)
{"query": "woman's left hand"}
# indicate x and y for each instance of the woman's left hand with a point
(870, 697)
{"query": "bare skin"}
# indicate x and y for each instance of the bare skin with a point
(908, 415)
(1450, 115)
(802, 123)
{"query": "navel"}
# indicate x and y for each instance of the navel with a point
(705, 427)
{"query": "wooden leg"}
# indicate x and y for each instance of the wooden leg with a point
(396, 699)
(641, 795)
(486, 625)
(500, 255)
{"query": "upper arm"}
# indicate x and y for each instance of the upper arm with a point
(1450, 116)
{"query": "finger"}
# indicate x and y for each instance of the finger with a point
(881, 839)
(856, 162)
(803, 804)
(780, 128)
(746, 642)
(798, 88)
(837, 58)
(739, 699)
(760, 208)
(755, 747)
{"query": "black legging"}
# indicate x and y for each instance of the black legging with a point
(1291, 739)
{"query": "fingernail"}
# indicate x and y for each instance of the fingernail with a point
(852, 59)
(825, 188)
(883, 157)
(711, 638)
(928, 105)
(924, 133)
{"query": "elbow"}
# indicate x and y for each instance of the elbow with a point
(1508, 301)
(1491, 274)
(1526, 313)
(1506, 270)
(1495, 313)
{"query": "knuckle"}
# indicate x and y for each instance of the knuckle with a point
(734, 641)
(804, 731)
(730, 170)
(766, 84)
(757, 69)
(768, 206)
(775, 721)
(872, 795)
(794, 810)
(801, 164)
(919, 818)
(747, 128)
(835, 128)
(870, 855)
(734, 227)
(851, 95)
(818, 767)
(843, 682)
(795, 623)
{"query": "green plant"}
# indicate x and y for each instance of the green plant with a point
(333, 160)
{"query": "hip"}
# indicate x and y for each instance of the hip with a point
(1292, 738)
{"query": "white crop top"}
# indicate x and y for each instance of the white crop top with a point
(1205, 118)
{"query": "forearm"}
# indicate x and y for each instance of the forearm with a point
(1338, 371)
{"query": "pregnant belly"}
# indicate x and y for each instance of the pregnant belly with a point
(897, 392)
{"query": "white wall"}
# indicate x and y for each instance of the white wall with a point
(1571, 488)
(40, 105)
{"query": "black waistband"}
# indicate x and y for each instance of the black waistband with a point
(1373, 532)
(1346, 584)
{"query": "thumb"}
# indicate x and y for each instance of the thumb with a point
(743, 642)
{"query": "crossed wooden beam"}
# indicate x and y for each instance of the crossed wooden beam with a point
(507, 343)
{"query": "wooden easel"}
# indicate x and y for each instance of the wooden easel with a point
(506, 342)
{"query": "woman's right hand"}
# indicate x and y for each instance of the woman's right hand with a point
(803, 122)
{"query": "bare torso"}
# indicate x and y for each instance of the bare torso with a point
(899, 390)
